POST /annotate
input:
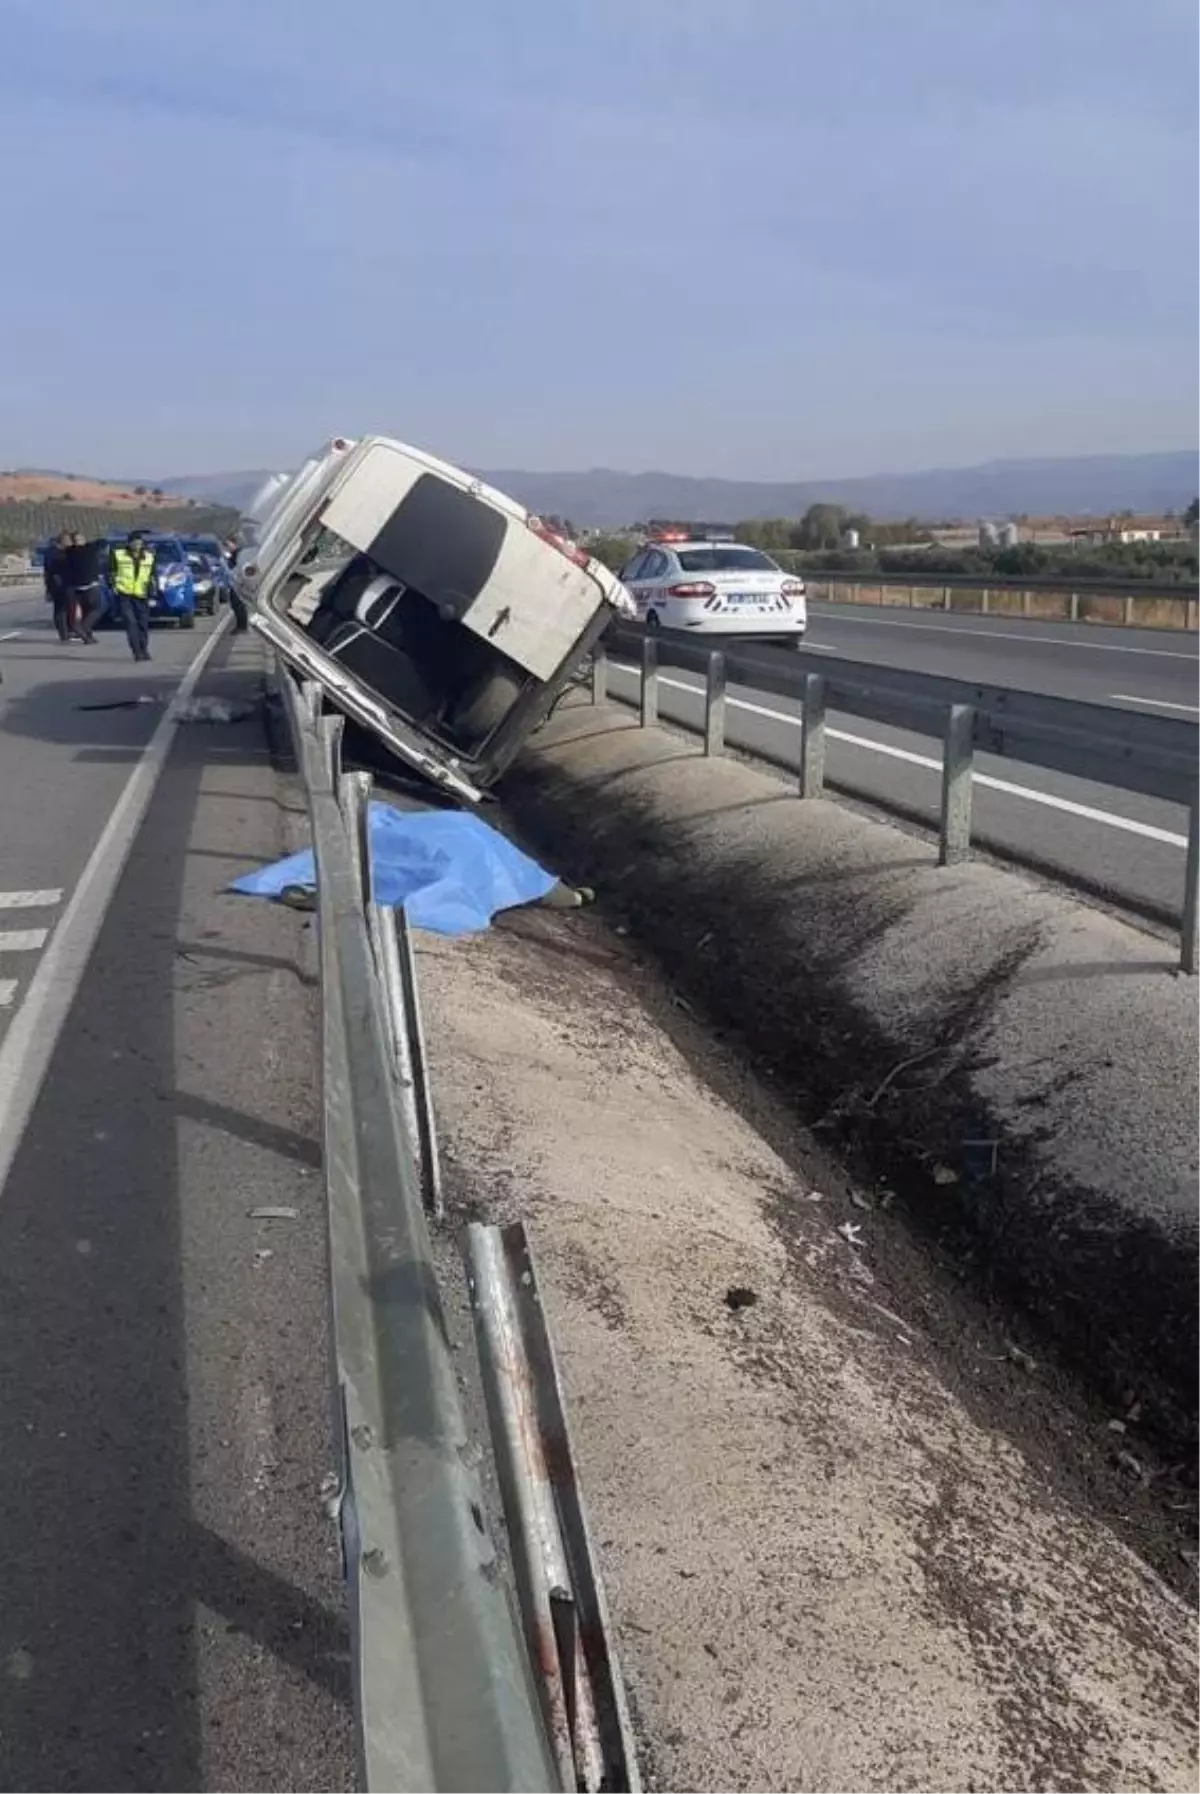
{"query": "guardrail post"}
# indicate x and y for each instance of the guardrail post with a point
(1191, 879)
(1026, 603)
(1073, 612)
(958, 755)
(1127, 609)
(649, 704)
(812, 737)
(983, 602)
(599, 673)
(714, 704)
(945, 597)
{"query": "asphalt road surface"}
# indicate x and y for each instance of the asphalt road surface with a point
(171, 1614)
(1122, 847)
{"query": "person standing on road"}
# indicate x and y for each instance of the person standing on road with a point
(81, 564)
(241, 617)
(130, 576)
(58, 592)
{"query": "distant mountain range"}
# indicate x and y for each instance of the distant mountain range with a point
(603, 498)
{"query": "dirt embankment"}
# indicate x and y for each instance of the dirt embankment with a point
(1013, 1072)
(839, 1542)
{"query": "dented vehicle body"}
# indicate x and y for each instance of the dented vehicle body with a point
(432, 609)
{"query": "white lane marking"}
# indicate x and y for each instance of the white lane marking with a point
(10, 635)
(8, 990)
(1126, 823)
(1125, 697)
(27, 1047)
(1011, 635)
(29, 899)
(22, 940)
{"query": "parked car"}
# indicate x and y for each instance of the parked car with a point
(435, 611)
(715, 587)
(173, 592)
(210, 572)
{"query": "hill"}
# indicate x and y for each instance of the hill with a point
(29, 485)
(36, 503)
(604, 498)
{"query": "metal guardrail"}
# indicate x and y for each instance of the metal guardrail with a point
(1150, 755)
(449, 1692)
(444, 1694)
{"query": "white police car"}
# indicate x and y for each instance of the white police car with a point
(715, 586)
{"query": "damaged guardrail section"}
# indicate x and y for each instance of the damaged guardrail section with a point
(444, 1696)
(450, 1693)
(1153, 756)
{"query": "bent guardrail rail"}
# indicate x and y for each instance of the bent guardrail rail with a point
(1152, 756)
(444, 1694)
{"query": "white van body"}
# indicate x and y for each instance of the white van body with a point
(276, 505)
(433, 609)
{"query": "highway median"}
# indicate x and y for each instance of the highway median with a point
(1014, 1070)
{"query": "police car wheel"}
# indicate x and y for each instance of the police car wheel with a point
(188, 621)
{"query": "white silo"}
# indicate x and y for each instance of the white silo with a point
(1009, 535)
(989, 535)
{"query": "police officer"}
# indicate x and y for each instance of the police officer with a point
(130, 577)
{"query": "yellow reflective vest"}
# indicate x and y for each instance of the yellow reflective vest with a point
(131, 574)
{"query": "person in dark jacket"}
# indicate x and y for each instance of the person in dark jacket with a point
(54, 564)
(81, 574)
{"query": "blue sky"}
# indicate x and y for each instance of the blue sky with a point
(757, 238)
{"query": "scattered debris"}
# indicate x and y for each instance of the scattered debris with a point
(212, 710)
(1019, 1356)
(273, 1213)
(739, 1296)
(816, 1196)
(945, 1174)
(913, 1059)
(192, 710)
(262, 1254)
(1134, 1465)
(851, 1232)
(1116, 1426)
(861, 1201)
(860, 1273)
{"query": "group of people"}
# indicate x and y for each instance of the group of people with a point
(71, 570)
(74, 571)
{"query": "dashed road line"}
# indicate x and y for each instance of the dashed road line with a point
(29, 899)
(8, 990)
(1007, 635)
(23, 940)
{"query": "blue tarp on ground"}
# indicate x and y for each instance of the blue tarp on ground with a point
(448, 870)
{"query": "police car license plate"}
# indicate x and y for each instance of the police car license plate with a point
(745, 600)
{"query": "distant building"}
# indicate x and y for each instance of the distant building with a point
(1101, 531)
